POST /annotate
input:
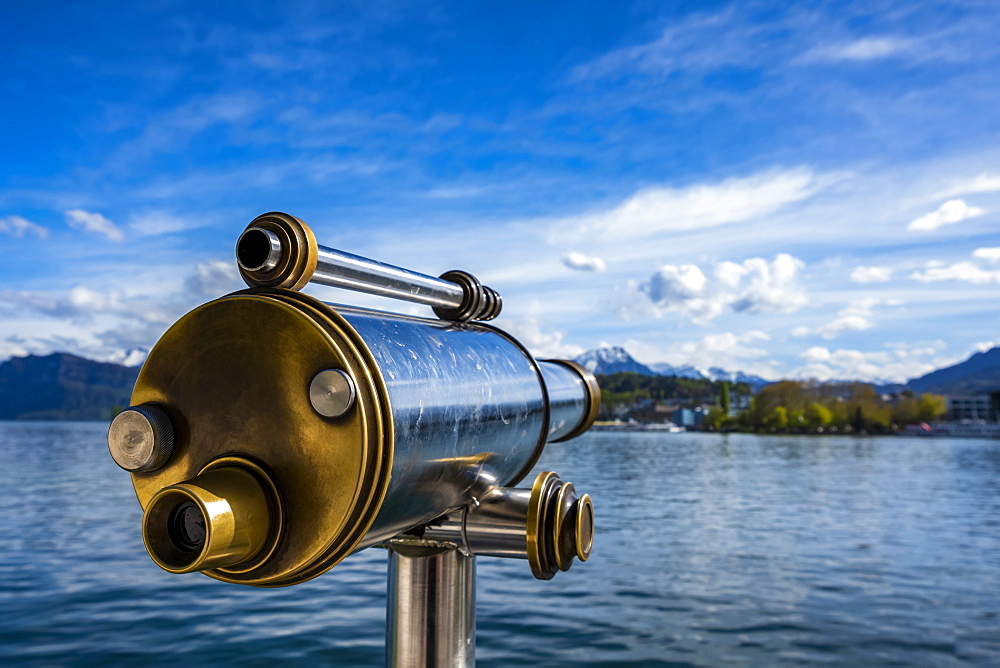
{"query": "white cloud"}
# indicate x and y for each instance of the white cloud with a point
(729, 273)
(817, 354)
(898, 363)
(18, 227)
(855, 317)
(843, 324)
(672, 283)
(679, 47)
(951, 212)
(867, 48)
(753, 286)
(715, 348)
(960, 271)
(79, 303)
(153, 223)
(656, 210)
(988, 254)
(983, 183)
(214, 279)
(682, 289)
(726, 350)
(871, 274)
(542, 344)
(93, 222)
(581, 262)
(771, 286)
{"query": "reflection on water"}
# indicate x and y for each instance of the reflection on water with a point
(711, 550)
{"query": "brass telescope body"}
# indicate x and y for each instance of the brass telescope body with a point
(439, 412)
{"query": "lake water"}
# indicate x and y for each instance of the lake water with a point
(711, 550)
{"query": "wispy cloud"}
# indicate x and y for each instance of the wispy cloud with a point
(214, 279)
(968, 272)
(79, 303)
(153, 223)
(661, 209)
(18, 227)
(542, 342)
(981, 183)
(94, 222)
(871, 274)
(859, 50)
(951, 212)
(897, 364)
(855, 317)
(581, 262)
(726, 350)
(988, 254)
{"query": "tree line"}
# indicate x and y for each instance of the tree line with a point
(630, 388)
(797, 406)
(785, 406)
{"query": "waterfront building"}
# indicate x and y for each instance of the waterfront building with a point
(973, 407)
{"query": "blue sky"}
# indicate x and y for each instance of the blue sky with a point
(799, 192)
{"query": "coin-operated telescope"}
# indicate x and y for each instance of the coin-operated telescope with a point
(271, 435)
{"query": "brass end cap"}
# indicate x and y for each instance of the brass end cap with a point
(560, 526)
(277, 250)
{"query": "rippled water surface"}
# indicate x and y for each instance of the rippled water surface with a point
(710, 550)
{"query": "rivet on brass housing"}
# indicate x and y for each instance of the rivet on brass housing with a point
(332, 393)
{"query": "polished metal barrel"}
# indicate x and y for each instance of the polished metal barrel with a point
(366, 424)
(465, 398)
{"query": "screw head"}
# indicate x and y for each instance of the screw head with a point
(332, 393)
(141, 438)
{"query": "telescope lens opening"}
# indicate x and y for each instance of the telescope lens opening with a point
(258, 250)
(186, 527)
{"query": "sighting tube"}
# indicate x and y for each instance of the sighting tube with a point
(280, 251)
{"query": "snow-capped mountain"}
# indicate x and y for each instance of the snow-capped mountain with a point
(683, 371)
(615, 359)
(604, 361)
(755, 382)
(133, 357)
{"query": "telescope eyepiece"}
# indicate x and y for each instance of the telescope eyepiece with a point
(227, 517)
(258, 250)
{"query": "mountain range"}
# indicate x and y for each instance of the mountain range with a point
(979, 374)
(61, 386)
(615, 359)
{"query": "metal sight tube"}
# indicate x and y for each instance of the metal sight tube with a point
(278, 250)
(353, 272)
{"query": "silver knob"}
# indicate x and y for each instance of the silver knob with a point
(141, 438)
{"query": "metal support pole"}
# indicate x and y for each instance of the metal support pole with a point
(431, 612)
